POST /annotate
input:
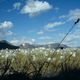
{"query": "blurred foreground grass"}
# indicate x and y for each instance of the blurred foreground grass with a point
(38, 62)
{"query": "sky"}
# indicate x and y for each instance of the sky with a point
(39, 21)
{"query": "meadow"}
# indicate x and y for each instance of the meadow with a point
(40, 64)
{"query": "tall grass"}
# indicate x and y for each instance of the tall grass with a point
(33, 63)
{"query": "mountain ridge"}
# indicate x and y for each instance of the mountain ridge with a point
(52, 46)
(7, 45)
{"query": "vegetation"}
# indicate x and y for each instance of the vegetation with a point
(40, 64)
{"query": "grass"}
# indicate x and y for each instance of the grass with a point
(40, 64)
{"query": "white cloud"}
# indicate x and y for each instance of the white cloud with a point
(34, 7)
(52, 25)
(9, 33)
(22, 40)
(18, 41)
(17, 5)
(63, 16)
(40, 32)
(72, 15)
(33, 40)
(3, 34)
(15, 42)
(73, 38)
(5, 29)
(6, 25)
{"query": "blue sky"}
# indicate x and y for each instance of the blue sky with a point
(39, 21)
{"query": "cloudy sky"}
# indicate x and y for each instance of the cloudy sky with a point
(39, 21)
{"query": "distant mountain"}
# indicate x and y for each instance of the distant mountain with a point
(55, 46)
(5, 44)
(27, 45)
(52, 46)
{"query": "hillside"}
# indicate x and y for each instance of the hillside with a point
(6, 45)
(52, 46)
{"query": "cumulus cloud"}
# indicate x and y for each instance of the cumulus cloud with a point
(6, 25)
(52, 25)
(5, 29)
(34, 7)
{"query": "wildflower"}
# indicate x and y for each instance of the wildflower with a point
(61, 57)
(54, 59)
(48, 59)
(46, 54)
(74, 55)
(70, 52)
(34, 58)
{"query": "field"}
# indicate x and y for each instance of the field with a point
(40, 64)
